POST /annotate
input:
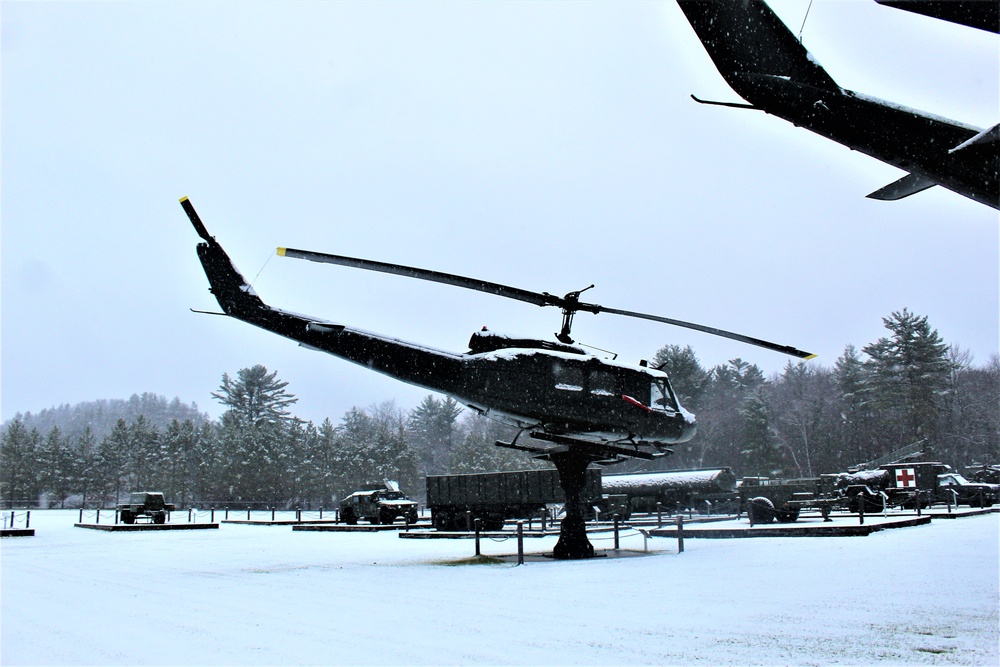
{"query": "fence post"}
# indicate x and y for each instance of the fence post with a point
(659, 515)
(248, 513)
(616, 532)
(477, 536)
(27, 520)
(272, 515)
(298, 514)
(98, 515)
(680, 533)
(81, 516)
(212, 519)
(520, 543)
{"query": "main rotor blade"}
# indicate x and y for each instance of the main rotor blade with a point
(571, 304)
(539, 299)
(785, 349)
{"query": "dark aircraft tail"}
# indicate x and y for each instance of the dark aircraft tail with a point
(763, 62)
(235, 296)
(752, 48)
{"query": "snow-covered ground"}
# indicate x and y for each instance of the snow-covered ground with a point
(267, 595)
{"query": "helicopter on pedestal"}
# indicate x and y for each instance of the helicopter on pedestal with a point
(577, 407)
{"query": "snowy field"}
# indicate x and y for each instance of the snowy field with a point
(252, 595)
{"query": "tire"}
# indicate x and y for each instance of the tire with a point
(128, 517)
(787, 515)
(348, 516)
(159, 517)
(762, 510)
(386, 517)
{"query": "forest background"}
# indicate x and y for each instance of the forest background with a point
(909, 387)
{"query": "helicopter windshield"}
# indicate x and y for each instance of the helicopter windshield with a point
(660, 397)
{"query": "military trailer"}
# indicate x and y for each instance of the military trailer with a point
(766, 500)
(148, 504)
(671, 490)
(456, 500)
(380, 505)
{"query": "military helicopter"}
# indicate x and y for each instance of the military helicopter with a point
(579, 408)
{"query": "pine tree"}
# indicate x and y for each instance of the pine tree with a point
(256, 397)
(18, 455)
(761, 452)
(431, 428)
(112, 460)
(85, 473)
(909, 373)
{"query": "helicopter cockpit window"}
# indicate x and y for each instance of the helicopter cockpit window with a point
(567, 378)
(602, 383)
(660, 398)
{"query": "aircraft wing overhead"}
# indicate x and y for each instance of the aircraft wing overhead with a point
(982, 14)
(764, 62)
(748, 43)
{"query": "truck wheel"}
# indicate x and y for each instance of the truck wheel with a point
(159, 517)
(349, 518)
(128, 517)
(788, 515)
(386, 517)
(762, 509)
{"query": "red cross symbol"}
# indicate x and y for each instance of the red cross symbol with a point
(905, 477)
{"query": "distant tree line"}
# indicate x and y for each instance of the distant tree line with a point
(907, 387)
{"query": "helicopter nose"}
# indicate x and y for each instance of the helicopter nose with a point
(688, 427)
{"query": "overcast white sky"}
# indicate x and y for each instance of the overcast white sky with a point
(546, 146)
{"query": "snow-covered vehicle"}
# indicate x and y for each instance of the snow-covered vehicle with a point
(145, 504)
(964, 492)
(672, 490)
(381, 505)
(766, 500)
(924, 483)
(493, 497)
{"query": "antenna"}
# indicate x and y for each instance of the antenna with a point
(804, 20)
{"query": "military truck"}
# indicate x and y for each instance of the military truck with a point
(145, 504)
(380, 505)
(456, 500)
(924, 483)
